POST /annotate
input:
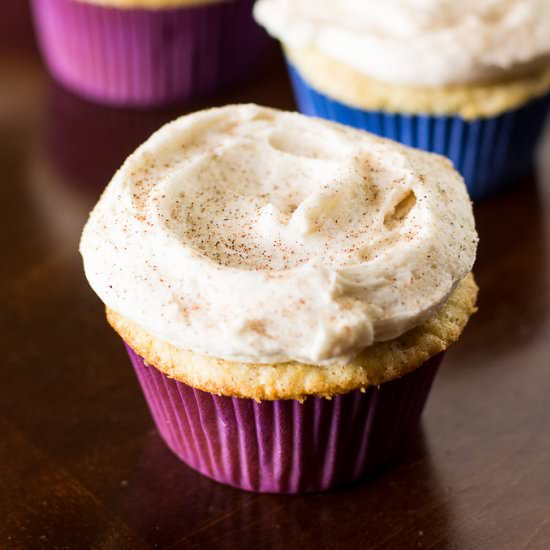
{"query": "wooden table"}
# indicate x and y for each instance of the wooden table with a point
(81, 465)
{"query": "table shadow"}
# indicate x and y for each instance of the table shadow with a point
(170, 505)
(512, 272)
(16, 31)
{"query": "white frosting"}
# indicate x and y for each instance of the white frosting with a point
(417, 42)
(264, 236)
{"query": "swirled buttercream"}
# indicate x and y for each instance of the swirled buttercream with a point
(417, 42)
(264, 236)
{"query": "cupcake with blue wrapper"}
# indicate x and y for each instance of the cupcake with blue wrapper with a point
(469, 80)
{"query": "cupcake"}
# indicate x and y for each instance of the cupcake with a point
(469, 80)
(285, 287)
(147, 52)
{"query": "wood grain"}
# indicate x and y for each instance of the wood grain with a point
(81, 465)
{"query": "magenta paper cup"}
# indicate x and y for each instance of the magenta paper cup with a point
(147, 57)
(286, 446)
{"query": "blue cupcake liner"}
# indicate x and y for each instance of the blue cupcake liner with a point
(491, 153)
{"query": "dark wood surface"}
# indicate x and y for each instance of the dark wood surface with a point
(81, 465)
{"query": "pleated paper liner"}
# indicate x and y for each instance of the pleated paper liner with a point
(147, 57)
(286, 446)
(492, 154)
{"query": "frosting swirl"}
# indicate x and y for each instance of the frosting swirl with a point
(417, 42)
(258, 235)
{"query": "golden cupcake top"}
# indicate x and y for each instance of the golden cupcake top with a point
(375, 365)
(470, 101)
(256, 235)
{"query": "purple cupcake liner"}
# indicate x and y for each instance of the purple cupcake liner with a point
(491, 153)
(286, 446)
(147, 57)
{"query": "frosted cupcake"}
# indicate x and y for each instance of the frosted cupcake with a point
(286, 288)
(147, 52)
(469, 79)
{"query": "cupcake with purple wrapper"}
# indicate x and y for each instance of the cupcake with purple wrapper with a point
(148, 52)
(286, 288)
(469, 80)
